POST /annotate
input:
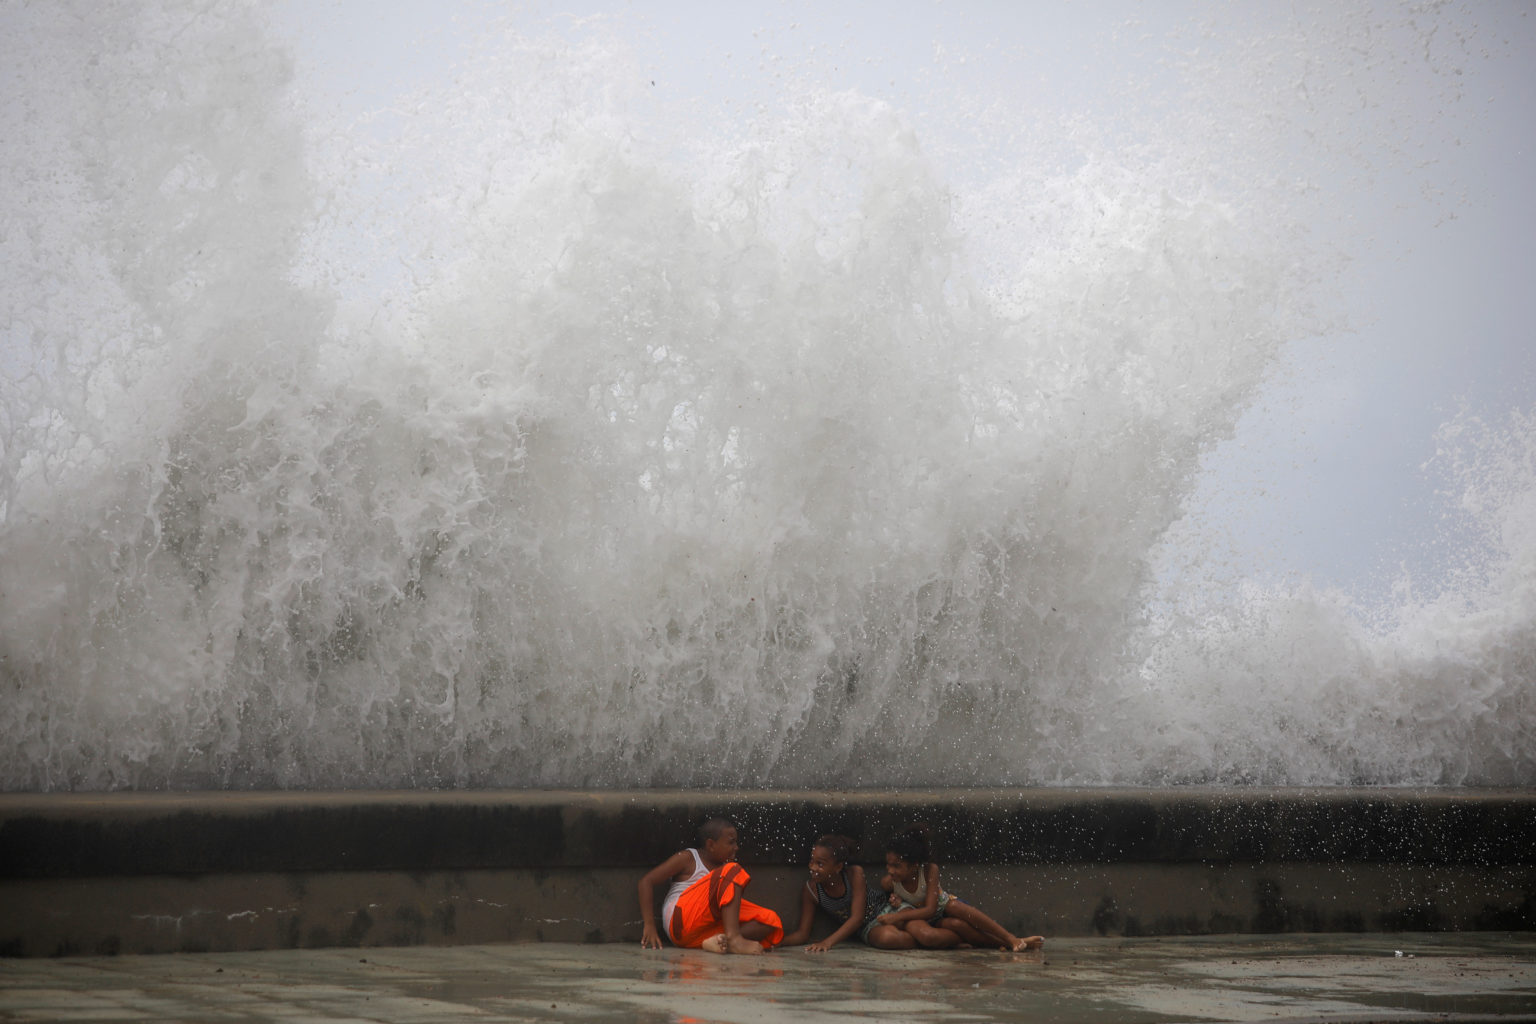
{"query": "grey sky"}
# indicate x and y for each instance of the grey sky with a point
(1326, 477)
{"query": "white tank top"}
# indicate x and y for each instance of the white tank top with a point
(915, 898)
(678, 888)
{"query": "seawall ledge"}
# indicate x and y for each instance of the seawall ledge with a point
(166, 871)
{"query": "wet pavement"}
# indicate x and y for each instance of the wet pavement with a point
(1354, 978)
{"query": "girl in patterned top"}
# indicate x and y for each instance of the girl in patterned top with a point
(837, 887)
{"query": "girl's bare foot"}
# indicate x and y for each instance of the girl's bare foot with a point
(1029, 942)
(715, 944)
(747, 947)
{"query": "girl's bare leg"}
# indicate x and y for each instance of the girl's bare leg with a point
(1000, 936)
(930, 937)
(968, 935)
(886, 936)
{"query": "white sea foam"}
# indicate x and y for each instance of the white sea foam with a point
(618, 455)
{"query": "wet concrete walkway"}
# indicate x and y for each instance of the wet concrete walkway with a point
(1354, 978)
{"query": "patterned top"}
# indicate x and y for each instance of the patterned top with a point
(840, 907)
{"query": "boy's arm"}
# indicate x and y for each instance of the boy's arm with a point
(646, 890)
(807, 915)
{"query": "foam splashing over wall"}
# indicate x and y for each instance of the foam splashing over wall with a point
(767, 465)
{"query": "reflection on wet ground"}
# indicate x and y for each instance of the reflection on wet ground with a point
(1228, 978)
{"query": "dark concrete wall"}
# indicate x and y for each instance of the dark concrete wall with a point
(86, 873)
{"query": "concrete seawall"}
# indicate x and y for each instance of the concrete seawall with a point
(164, 872)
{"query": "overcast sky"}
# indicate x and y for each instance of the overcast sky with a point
(1326, 477)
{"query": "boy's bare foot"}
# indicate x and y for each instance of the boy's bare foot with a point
(740, 946)
(1029, 942)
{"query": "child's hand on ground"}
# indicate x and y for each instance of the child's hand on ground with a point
(649, 939)
(818, 947)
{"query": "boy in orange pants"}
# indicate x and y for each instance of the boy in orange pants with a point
(704, 908)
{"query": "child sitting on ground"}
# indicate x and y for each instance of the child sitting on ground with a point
(704, 908)
(837, 887)
(924, 914)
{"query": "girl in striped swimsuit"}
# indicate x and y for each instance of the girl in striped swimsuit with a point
(837, 887)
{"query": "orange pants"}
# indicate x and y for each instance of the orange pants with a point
(698, 914)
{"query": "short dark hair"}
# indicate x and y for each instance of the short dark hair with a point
(713, 827)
